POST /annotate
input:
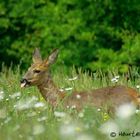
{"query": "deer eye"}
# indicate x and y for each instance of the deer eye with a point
(36, 71)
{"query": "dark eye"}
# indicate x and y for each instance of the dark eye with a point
(36, 71)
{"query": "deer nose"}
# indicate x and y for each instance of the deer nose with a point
(23, 81)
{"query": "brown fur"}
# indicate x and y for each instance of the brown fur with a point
(110, 97)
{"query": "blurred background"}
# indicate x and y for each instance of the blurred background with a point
(92, 34)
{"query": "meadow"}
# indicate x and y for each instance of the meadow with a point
(24, 115)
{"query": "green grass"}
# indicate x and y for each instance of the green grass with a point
(24, 115)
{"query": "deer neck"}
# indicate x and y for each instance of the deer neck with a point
(49, 90)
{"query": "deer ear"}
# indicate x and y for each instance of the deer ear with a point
(52, 57)
(36, 56)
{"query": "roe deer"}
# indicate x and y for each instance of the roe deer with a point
(39, 75)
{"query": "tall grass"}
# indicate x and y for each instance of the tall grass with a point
(24, 115)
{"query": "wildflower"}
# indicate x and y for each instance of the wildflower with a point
(74, 78)
(105, 116)
(1, 95)
(7, 99)
(7, 120)
(59, 114)
(125, 111)
(67, 130)
(42, 119)
(41, 98)
(1, 92)
(22, 105)
(109, 127)
(78, 96)
(68, 106)
(38, 129)
(137, 86)
(61, 90)
(15, 95)
(73, 107)
(137, 111)
(69, 88)
(115, 79)
(26, 104)
(39, 104)
(81, 115)
(65, 89)
(98, 109)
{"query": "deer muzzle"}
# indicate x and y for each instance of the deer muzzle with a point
(24, 83)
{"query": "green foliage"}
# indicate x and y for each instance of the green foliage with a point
(91, 34)
(25, 115)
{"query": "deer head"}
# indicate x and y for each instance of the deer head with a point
(39, 69)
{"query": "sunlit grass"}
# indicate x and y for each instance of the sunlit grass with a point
(25, 115)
